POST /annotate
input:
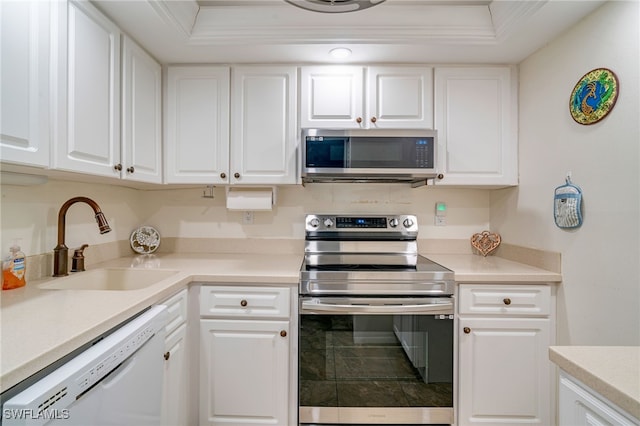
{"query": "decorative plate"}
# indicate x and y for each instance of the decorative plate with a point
(485, 242)
(594, 96)
(145, 240)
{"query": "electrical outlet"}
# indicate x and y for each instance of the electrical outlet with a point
(247, 218)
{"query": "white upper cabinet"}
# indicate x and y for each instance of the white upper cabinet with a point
(141, 156)
(331, 97)
(197, 129)
(476, 120)
(248, 137)
(25, 35)
(400, 98)
(88, 79)
(352, 97)
(263, 125)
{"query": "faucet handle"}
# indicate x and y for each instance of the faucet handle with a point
(80, 250)
(77, 261)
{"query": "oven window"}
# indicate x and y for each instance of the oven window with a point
(376, 361)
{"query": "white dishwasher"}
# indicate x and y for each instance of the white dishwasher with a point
(115, 382)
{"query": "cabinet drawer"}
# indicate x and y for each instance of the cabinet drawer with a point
(507, 300)
(177, 308)
(245, 302)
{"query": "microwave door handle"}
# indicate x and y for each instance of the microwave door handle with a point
(311, 306)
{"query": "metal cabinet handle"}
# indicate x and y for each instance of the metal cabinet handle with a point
(236, 175)
(118, 167)
(440, 176)
(283, 333)
(373, 119)
(131, 169)
(317, 306)
(506, 301)
(466, 330)
(359, 120)
(243, 303)
(167, 355)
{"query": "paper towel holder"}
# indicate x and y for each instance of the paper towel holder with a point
(240, 189)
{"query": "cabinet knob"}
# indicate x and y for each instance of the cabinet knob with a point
(373, 119)
(236, 175)
(506, 301)
(130, 169)
(243, 303)
(118, 167)
(283, 333)
(223, 175)
(167, 355)
(466, 330)
(359, 120)
(440, 176)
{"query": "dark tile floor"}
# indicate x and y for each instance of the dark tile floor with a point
(336, 372)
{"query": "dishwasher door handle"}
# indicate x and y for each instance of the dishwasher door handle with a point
(374, 306)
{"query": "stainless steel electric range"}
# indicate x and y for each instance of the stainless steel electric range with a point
(376, 325)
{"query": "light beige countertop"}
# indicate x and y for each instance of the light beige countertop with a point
(471, 268)
(611, 371)
(40, 326)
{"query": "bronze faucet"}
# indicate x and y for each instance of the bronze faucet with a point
(61, 251)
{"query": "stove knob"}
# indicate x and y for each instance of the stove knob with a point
(314, 222)
(393, 222)
(408, 223)
(328, 223)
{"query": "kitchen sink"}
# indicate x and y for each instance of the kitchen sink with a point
(109, 279)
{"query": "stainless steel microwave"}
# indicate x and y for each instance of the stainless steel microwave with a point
(368, 155)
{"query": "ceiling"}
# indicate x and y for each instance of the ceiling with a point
(394, 31)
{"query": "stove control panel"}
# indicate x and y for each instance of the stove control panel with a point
(345, 224)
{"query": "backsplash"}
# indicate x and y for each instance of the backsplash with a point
(29, 213)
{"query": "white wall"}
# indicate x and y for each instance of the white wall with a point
(599, 300)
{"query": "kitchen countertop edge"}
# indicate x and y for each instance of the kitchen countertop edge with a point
(608, 370)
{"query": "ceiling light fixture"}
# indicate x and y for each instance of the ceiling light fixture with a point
(334, 6)
(340, 52)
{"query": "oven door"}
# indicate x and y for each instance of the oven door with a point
(376, 360)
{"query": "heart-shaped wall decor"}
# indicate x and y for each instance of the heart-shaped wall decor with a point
(485, 242)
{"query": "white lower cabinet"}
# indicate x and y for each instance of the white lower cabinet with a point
(580, 405)
(175, 389)
(505, 376)
(245, 356)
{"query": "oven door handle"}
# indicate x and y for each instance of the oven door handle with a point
(364, 306)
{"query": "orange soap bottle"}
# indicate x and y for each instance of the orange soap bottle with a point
(14, 268)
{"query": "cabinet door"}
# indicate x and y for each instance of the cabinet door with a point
(244, 372)
(264, 125)
(400, 98)
(332, 97)
(476, 120)
(24, 71)
(175, 380)
(141, 115)
(504, 371)
(197, 139)
(89, 139)
(581, 406)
